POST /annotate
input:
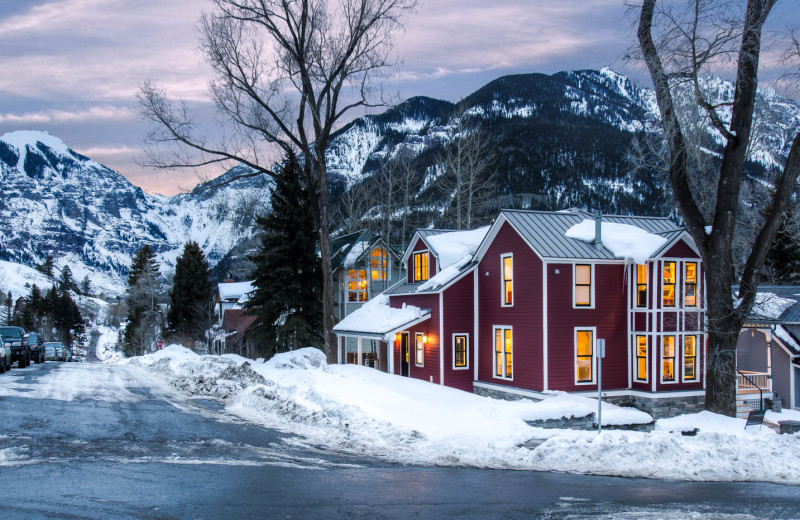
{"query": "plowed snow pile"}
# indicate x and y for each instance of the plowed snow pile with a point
(361, 410)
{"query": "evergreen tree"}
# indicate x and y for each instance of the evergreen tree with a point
(191, 293)
(47, 267)
(86, 286)
(65, 281)
(783, 259)
(8, 310)
(287, 298)
(67, 319)
(142, 298)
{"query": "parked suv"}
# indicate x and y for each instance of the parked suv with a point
(5, 356)
(20, 351)
(36, 345)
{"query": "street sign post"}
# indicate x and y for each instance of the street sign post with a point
(601, 353)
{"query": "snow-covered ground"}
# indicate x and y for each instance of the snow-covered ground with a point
(106, 341)
(360, 410)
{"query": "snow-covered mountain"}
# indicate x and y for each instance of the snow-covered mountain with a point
(56, 201)
(562, 140)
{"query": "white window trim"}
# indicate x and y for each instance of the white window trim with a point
(591, 287)
(636, 284)
(696, 358)
(696, 285)
(575, 355)
(503, 280)
(413, 269)
(678, 297)
(676, 368)
(495, 328)
(416, 335)
(466, 353)
(646, 380)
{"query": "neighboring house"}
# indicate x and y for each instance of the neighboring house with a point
(238, 338)
(231, 295)
(363, 266)
(229, 333)
(768, 350)
(517, 309)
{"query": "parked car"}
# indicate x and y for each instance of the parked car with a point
(53, 350)
(20, 350)
(36, 345)
(5, 356)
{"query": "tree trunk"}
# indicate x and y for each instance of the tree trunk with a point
(328, 319)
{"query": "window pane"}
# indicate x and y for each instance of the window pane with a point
(669, 272)
(584, 369)
(641, 345)
(508, 294)
(642, 369)
(641, 274)
(668, 369)
(583, 274)
(507, 268)
(688, 368)
(669, 346)
(583, 295)
(689, 343)
(584, 340)
(669, 295)
(691, 272)
(498, 349)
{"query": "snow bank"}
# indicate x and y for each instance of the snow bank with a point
(623, 240)
(355, 409)
(377, 317)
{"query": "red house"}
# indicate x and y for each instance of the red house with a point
(517, 309)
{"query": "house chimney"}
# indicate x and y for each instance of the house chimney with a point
(598, 227)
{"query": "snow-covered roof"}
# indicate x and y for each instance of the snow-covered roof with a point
(775, 303)
(451, 247)
(234, 291)
(625, 241)
(377, 318)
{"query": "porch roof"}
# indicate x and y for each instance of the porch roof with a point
(377, 319)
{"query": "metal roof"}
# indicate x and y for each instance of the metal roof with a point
(546, 231)
(789, 292)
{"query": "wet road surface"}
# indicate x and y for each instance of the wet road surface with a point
(103, 441)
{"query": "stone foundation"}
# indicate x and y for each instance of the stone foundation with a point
(588, 422)
(500, 393)
(660, 407)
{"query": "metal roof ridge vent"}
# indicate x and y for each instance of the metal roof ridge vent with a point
(598, 229)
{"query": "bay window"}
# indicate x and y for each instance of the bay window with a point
(690, 284)
(690, 358)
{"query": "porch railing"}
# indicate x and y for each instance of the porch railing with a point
(751, 382)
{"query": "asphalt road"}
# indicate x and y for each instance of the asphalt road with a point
(99, 441)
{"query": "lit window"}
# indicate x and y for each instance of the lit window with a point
(669, 284)
(503, 350)
(668, 358)
(421, 266)
(641, 285)
(584, 356)
(508, 277)
(357, 285)
(419, 349)
(641, 358)
(690, 358)
(460, 350)
(690, 284)
(377, 263)
(583, 285)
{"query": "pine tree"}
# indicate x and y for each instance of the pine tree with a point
(142, 298)
(190, 294)
(86, 286)
(47, 266)
(8, 309)
(65, 281)
(783, 260)
(287, 298)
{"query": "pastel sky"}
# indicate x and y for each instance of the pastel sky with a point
(73, 67)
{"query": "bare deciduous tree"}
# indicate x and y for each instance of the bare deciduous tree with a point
(286, 73)
(468, 176)
(680, 44)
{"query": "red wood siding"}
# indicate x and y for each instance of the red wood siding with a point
(524, 317)
(458, 318)
(608, 315)
(430, 328)
(680, 250)
(420, 245)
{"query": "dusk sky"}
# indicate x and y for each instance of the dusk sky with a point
(73, 67)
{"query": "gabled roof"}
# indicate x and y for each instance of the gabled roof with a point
(775, 304)
(545, 232)
(449, 246)
(346, 250)
(234, 291)
(237, 320)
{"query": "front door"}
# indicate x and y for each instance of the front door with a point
(404, 354)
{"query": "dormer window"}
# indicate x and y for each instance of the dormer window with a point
(421, 266)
